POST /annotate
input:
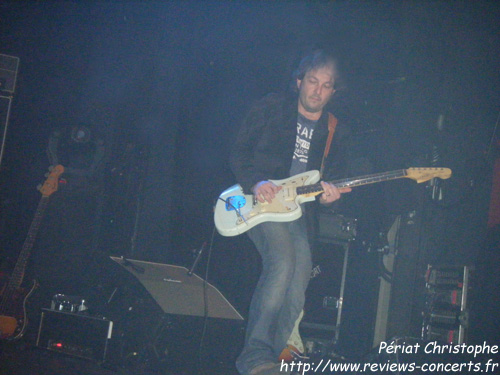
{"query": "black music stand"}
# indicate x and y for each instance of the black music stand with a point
(179, 293)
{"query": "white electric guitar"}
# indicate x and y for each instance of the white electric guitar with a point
(236, 212)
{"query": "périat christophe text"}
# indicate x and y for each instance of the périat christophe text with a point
(434, 347)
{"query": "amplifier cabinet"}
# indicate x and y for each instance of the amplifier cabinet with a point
(5, 104)
(9, 65)
(335, 228)
(75, 334)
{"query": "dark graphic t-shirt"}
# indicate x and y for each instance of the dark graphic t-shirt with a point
(305, 130)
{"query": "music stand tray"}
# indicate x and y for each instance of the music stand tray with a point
(178, 293)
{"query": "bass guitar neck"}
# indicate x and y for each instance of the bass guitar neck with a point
(13, 318)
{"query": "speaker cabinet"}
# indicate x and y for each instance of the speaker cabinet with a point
(5, 103)
(8, 75)
(9, 66)
(408, 284)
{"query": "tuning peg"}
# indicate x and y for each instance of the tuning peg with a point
(39, 187)
(46, 174)
(51, 168)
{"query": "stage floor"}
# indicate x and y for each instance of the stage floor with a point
(21, 359)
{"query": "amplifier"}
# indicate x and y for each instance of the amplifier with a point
(77, 335)
(9, 66)
(335, 228)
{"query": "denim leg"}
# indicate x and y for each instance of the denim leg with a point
(295, 298)
(279, 295)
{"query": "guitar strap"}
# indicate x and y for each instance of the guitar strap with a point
(332, 124)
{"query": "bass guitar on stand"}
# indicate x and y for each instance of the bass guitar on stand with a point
(13, 318)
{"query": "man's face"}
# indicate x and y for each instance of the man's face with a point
(315, 90)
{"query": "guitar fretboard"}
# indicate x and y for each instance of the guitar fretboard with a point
(18, 272)
(358, 181)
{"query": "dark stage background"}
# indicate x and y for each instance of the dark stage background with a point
(162, 87)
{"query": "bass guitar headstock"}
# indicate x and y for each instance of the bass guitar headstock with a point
(52, 183)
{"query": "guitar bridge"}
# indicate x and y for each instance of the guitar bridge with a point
(235, 203)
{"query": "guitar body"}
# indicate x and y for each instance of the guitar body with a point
(236, 212)
(295, 346)
(13, 321)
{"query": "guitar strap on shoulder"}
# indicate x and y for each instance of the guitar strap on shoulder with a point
(332, 124)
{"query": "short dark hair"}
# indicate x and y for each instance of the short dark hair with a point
(318, 59)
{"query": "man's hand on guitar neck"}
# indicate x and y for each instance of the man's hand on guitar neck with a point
(331, 193)
(265, 191)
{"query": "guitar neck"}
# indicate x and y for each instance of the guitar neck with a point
(353, 182)
(18, 272)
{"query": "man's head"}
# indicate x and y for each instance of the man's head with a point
(315, 81)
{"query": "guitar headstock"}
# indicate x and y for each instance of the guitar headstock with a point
(426, 174)
(51, 184)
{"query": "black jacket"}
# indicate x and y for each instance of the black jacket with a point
(266, 141)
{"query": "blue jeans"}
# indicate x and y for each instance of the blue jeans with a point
(279, 295)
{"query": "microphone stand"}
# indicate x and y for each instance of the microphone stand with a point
(197, 259)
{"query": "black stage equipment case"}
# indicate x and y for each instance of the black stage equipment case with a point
(322, 320)
(75, 334)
